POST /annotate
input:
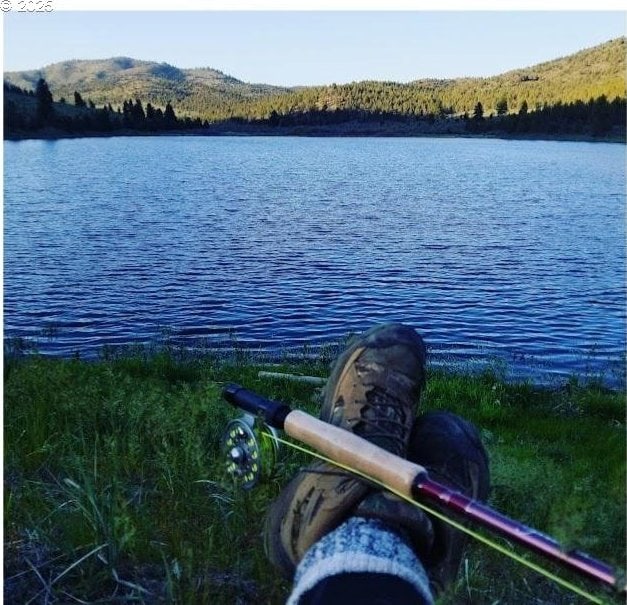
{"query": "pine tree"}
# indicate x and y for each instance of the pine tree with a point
(45, 108)
(478, 112)
(138, 112)
(78, 100)
(501, 107)
(169, 115)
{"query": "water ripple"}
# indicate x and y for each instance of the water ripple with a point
(509, 250)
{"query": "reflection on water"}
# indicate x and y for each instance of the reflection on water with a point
(509, 250)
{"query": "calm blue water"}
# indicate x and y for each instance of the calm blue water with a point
(507, 250)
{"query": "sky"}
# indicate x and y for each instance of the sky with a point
(314, 46)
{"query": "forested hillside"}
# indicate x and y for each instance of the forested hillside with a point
(121, 78)
(579, 77)
(583, 94)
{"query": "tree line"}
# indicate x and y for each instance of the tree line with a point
(36, 110)
(596, 117)
(426, 98)
(580, 77)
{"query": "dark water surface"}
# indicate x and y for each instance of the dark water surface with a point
(507, 250)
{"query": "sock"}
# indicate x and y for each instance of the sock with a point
(360, 545)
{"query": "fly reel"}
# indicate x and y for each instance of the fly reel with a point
(250, 449)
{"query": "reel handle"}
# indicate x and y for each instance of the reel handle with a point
(273, 412)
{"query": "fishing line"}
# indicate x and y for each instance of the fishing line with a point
(477, 536)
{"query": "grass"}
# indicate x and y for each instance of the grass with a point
(115, 491)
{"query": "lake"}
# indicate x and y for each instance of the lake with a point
(498, 251)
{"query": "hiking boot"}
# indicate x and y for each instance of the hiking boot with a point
(450, 448)
(373, 390)
(410, 522)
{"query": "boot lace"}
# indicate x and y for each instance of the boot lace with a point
(383, 420)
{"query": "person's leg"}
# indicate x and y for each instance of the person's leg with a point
(342, 533)
(373, 390)
(362, 561)
(451, 450)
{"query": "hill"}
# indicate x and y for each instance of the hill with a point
(211, 94)
(118, 79)
(587, 74)
(579, 95)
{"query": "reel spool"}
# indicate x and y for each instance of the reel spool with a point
(248, 453)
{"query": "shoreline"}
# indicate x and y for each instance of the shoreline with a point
(551, 380)
(314, 132)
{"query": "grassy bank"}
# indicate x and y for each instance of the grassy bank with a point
(114, 490)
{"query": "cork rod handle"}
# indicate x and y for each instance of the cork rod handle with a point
(353, 451)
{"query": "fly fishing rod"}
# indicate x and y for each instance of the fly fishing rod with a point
(400, 476)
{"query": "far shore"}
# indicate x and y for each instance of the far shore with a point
(350, 130)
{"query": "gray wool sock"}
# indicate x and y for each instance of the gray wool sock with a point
(359, 545)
